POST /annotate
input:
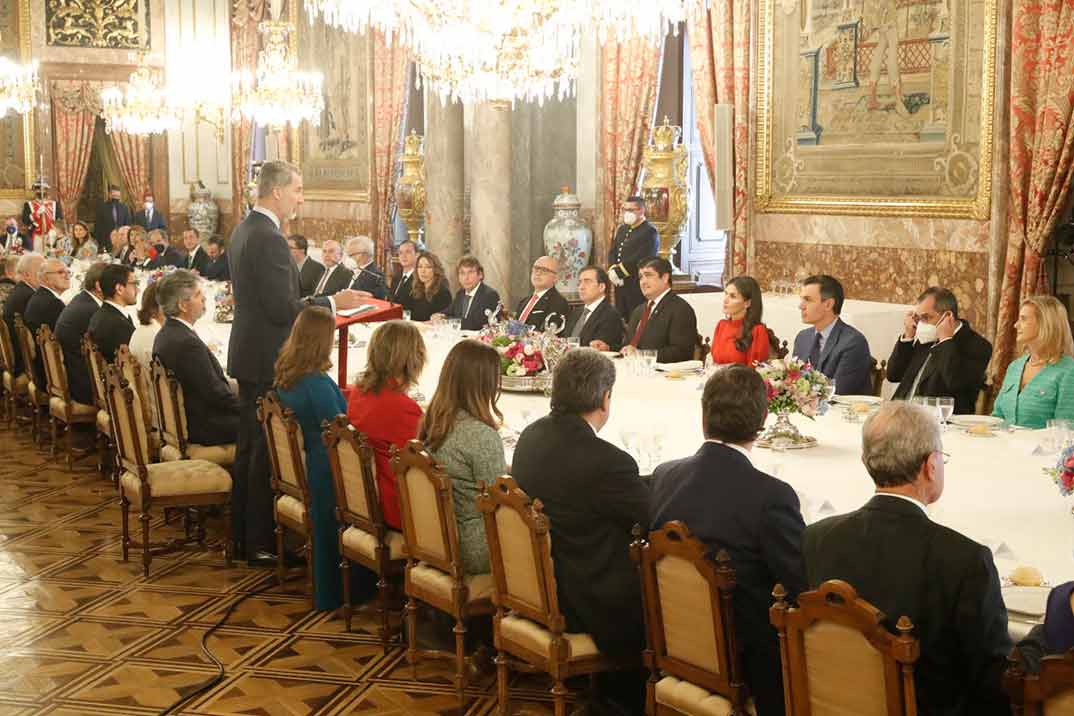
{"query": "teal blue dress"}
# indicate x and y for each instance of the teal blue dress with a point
(1050, 395)
(314, 399)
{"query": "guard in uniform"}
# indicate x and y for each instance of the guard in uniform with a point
(635, 239)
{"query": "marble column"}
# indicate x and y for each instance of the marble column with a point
(490, 196)
(444, 182)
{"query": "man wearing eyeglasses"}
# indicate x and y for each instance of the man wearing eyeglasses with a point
(545, 302)
(46, 304)
(112, 326)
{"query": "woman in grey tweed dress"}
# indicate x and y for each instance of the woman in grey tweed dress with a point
(460, 431)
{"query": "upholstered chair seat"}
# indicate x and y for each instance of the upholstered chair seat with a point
(81, 412)
(364, 543)
(433, 582)
(692, 700)
(172, 479)
(223, 455)
(540, 640)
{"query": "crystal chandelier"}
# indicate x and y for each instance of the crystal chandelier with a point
(278, 93)
(18, 86)
(142, 109)
(494, 50)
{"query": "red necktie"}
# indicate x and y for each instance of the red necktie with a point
(641, 324)
(528, 308)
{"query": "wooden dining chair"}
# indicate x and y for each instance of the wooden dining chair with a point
(364, 538)
(181, 484)
(287, 458)
(15, 384)
(1049, 692)
(96, 364)
(833, 633)
(170, 410)
(137, 376)
(877, 372)
(528, 625)
(434, 573)
(691, 653)
(63, 411)
(37, 396)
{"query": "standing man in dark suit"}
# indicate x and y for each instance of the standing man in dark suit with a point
(545, 302)
(905, 564)
(111, 214)
(593, 497)
(72, 325)
(939, 354)
(216, 264)
(196, 259)
(44, 307)
(368, 280)
(336, 276)
(264, 282)
(148, 217)
(836, 349)
(730, 504)
(111, 326)
(27, 271)
(595, 324)
(309, 270)
(665, 323)
(475, 301)
(635, 240)
(408, 261)
(212, 409)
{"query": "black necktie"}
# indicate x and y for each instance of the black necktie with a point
(814, 354)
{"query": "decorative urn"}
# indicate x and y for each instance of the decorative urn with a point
(202, 214)
(569, 240)
(410, 191)
(664, 189)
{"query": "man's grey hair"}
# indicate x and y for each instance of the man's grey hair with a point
(28, 264)
(896, 440)
(359, 245)
(175, 288)
(581, 380)
(275, 174)
(11, 264)
(48, 265)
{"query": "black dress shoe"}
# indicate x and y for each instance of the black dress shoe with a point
(264, 558)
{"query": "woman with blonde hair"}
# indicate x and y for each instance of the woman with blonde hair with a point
(461, 432)
(380, 408)
(303, 385)
(429, 291)
(1039, 385)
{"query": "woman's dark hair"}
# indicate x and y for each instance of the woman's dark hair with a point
(149, 308)
(749, 290)
(419, 289)
(309, 347)
(469, 383)
(75, 240)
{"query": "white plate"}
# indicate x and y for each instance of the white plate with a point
(852, 399)
(968, 421)
(1028, 601)
(611, 354)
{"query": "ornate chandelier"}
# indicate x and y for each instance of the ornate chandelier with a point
(277, 94)
(18, 86)
(142, 109)
(490, 50)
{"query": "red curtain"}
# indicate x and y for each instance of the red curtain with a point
(1042, 154)
(132, 155)
(245, 16)
(720, 59)
(629, 77)
(75, 106)
(390, 74)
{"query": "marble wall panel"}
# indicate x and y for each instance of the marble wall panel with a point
(880, 232)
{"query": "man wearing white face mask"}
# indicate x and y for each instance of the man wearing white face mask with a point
(939, 354)
(635, 240)
(149, 217)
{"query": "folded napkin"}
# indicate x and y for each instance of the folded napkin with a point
(681, 365)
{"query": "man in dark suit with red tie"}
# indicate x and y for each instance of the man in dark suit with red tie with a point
(665, 323)
(545, 302)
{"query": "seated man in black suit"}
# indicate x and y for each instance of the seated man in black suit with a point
(196, 259)
(939, 354)
(665, 323)
(111, 326)
(596, 324)
(835, 348)
(309, 270)
(44, 307)
(212, 408)
(907, 565)
(593, 497)
(167, 255)
(216, 268)
(27, 271)
(148, 217)
(407, 253)
(336, 276)
(729, 504)
(72, 324)
(474, 301)
(545, 301)
(368, 280)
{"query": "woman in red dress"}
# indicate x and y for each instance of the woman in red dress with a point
(380, 408)
(741, 337)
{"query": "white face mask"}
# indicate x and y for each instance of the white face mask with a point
(149, 206)
(629, 217)
(926, 333)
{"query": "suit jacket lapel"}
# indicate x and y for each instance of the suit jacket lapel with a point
(833, 340)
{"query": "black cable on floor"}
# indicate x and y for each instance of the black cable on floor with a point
(221, 672)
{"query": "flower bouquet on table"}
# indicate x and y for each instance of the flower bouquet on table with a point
(527, 357)
(1063, 472)
(794, 386)
(224, 309)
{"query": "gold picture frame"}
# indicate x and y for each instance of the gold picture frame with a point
(816, 58)
(325, 177)
(27, 120)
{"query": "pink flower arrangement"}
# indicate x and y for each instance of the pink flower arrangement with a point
(794, 386)
(1063, 472)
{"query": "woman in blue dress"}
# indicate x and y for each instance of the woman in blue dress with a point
(304, 386)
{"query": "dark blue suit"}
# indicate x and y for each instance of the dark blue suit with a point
(155, 221)
(729, 504)
(845, 358)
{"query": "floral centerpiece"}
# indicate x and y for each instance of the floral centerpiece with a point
(527, 357)
(1063, 472)
(793, 386)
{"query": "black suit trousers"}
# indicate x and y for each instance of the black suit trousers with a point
(252, 521)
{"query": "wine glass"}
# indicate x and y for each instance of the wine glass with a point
(946, 407)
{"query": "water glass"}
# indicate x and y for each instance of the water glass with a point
(945, 407)
(455, 325)
(648, 362)
(406, 315)
(573, 342)
(1058, 434)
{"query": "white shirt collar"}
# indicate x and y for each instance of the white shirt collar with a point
(473, 292)
(919, 503)
(737, 448)
(121, 309)
(188, 325)
(658, 299)
(303, 262)
(92, 295)
(269, 214)
(542, 292)
(53, 292)
(593, 306)
(406, 274)
(366, 265)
